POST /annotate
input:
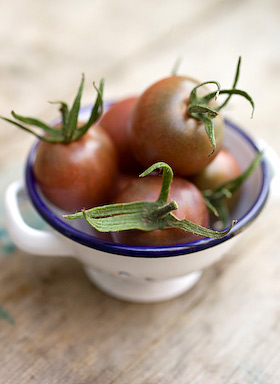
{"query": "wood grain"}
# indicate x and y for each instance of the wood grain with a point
(55, 326)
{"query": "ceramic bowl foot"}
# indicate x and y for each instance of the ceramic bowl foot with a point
(147, 290)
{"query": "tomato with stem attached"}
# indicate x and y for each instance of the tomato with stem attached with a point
(76, 163)
(142, 212)
(79, 174)
(177, 120)
(224, 167)
(149, 220)
(220, 183)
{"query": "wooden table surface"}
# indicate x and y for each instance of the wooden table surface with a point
(56, 326)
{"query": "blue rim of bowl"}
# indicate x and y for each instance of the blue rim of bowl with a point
(140, 251)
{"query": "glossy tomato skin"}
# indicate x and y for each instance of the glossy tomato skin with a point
(79, 174)
(191, 206)
(223, 168)
(115, 122)
(123, 180)
(162, 130)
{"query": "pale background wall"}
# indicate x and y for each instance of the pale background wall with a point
(46, 45)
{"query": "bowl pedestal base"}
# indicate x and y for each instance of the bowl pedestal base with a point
(125, 288)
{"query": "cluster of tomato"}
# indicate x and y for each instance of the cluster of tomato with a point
(80, 166)
(156, 127)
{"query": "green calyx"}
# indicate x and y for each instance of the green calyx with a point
(216, 199)
(69, 130)
(200, 109)
(145, 215)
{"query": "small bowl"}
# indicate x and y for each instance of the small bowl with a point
(134, 273)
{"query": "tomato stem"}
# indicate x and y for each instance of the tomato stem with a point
(237, 72)
(144, 215)
(164, 210)
(167, 177)
(198, 229)
(69, 130)
(72, 118)
(199, 106)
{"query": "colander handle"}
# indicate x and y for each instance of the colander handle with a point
(36, 241)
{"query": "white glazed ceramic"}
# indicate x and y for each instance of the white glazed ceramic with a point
(138, 274)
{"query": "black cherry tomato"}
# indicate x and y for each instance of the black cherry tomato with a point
(161, 128)
(77, 174)
(177, 120)
(115, 122)
(76, 162)
(224, 167)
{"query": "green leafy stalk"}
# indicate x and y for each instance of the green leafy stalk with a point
(200, 109)
(231, 92)
(233, 86)
(95, 112)
(72, 119)
(198, 229)
(64, 116)
(69, 129)
(144, 215)
(167, 178)
(113, 209)
(53, 135)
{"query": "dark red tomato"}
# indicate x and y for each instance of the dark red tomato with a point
(123, 180)
(162, 130)
(224, 167)
(115, 122)
(79, 174)
(191, 207)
